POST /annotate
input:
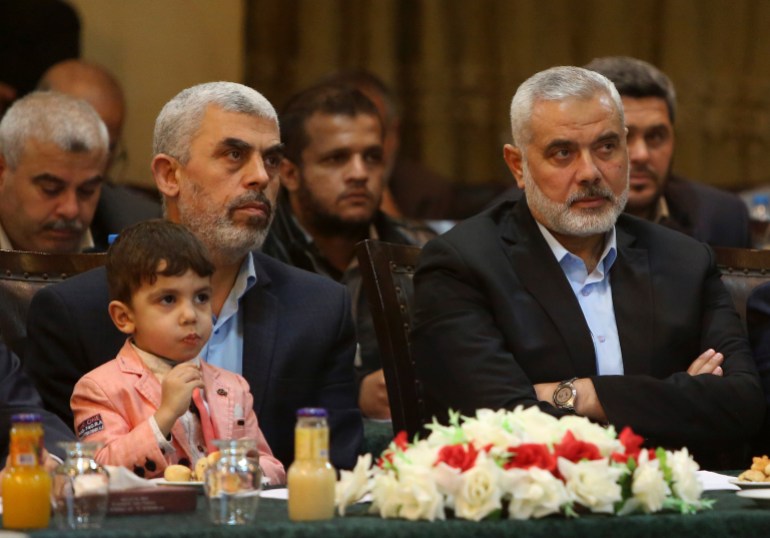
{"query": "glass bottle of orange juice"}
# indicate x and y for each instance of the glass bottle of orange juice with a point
(311, 478)
(26, 484)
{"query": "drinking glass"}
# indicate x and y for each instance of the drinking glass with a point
(80, 488)
(233, 483)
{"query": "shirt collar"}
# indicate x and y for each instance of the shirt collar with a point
(661, 210)
(606, 260)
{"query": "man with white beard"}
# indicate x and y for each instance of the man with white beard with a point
(561, 301)
(217, 151)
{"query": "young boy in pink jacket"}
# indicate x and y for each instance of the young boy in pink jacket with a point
(141, 404)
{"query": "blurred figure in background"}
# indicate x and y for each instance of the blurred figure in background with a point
(119, 206)
(708, 214)
(332, 179)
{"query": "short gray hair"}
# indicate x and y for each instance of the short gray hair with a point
(556, 84)
(70, 123)
(180, 118)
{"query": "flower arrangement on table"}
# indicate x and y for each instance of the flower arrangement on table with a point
(525, 463)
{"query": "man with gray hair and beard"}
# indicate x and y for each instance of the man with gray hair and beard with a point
(288, 332)
(561, 301)
(53, 154)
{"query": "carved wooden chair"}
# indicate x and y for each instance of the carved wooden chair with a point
(387, 271)
(22, 274)
(743, 270)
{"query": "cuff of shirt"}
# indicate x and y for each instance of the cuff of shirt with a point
(163, 442)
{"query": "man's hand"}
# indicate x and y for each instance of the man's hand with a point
(373, 396)
(709, 362)
(587, 403)
(176, 394)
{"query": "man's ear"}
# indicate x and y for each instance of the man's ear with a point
(165, 170)
(513, 158)
(122, 316)
(289, 175)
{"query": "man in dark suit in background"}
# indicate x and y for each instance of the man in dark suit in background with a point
(561, 301)
(708, 214)
(288, 332)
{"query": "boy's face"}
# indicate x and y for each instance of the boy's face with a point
(170, 318)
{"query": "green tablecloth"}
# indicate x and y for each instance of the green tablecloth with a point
(731, 516)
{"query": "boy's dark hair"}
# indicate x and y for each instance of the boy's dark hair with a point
(134, 257)
(331, 99)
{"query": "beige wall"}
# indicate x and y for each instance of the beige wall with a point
(156, 48)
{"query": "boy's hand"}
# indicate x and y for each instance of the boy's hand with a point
(176, 394)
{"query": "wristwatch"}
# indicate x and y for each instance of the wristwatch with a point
(565, 394)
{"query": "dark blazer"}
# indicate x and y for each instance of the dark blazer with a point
(298, 350)
(494, 314)
(18, 395)
(758, 321)
(119, 207)
(708, 214)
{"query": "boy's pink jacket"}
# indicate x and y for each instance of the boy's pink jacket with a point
(114, 402)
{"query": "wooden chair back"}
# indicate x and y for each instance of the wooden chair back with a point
(743, 270)
(22, 274)
(387, 270)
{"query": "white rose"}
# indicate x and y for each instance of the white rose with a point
(585, 430)
(479, 493)
(531, 425)
(413, 495)
(534, 493)
(353, 484)
(648, 488)
(489, 427)
(448, 481)
(685, 483)
(594, 484)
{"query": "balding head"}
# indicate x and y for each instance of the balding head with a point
(93, 84)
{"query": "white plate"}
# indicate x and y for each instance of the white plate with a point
(745, 484)
(759, 496)
(164, 482)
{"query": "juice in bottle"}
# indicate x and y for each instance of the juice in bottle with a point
(311, 478)
(26, 484)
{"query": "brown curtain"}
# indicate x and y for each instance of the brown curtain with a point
(455, 64)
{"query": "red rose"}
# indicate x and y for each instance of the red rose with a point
(458, 456)
(401, 440)
(574, 450)
(633, 446)
(529, 455)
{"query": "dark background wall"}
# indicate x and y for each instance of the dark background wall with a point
(455, 65)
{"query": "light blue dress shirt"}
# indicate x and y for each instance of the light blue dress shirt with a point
(225, 347)
(594, 294)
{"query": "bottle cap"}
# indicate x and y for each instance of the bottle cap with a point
(760, 199)
(318, 412)
(26, 417)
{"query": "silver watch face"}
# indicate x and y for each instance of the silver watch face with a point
(563, 395)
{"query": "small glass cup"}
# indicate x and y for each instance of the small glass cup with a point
(80, 488)
(233, 483)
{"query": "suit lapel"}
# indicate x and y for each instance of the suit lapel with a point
(539, 272)
(260, 326)
(632, 303)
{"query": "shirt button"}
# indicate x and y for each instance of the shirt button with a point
(585, 292)
(216, 332)
(601, 338)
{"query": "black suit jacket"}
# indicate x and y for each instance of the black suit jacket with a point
(119, 207)
(18, 395)
(495, 314)
(298, 350)
(708, 214)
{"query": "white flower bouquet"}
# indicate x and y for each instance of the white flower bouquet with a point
(524, 464)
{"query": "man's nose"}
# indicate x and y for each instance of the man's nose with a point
(638, 152)
(358, 170)
(586, 167)
(68, 206)
(255, 173)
